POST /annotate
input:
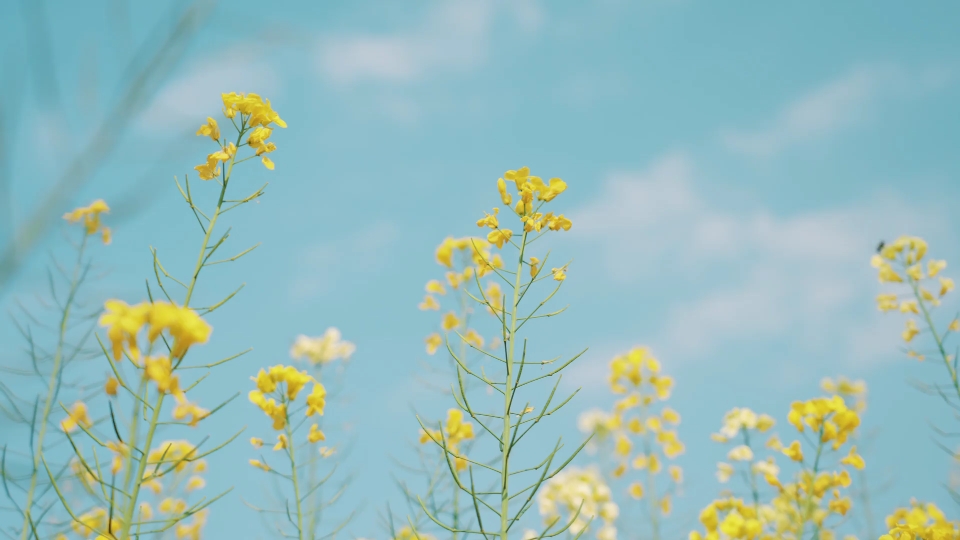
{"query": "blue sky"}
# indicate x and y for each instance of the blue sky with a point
(730, 171)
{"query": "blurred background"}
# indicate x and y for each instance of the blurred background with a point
(731, 170)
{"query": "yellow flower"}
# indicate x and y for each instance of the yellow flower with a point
(499, 236)
(489, 220)
(946, 285)
(210, 169)
(724, 472)
(315, 434)
(159, 370)
(559, 274)
(910, 331)
(210, 129)
(636, 490)
(435, 287)
(473, 338)
(559, 222)
(195, 483)
(676, 473)
(317, 400)
(429, 303)
(90, 215)
(915, 272)
(450, 321)
(433, 343)
(740, 453)
(853, 459)
(123, 323)
(504, 196)
(77, 417)
(282, 442)
(322, 349)
(886, 302)
(909, 306)
(793, 451)
(259, 464)
(935, 267)
(110, 387)
(256, 442)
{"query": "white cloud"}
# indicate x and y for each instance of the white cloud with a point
(836, 105)
(319, 266)
(748, 276)
(191, 97)
(453, 36)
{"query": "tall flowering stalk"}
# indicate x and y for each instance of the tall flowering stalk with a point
(49, 366)
(497, 511)
(148, 347)
(468, 264)
(320, 353)
(854, 394)
(646, 438)
(902, 263)
(798, 509)
(276, 395)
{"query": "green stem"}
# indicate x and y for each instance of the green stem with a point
(936, 336)
(807, 507)
(508, 393)
(158, 405)
(51, 391)
(753, 475)
(294, 476)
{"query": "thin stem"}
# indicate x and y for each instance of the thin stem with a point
(52, 387)
(294, 476)
(507, 395)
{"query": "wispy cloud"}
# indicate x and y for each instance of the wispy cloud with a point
(802, 277)
(320, 266)
(834, 106)
(453, 36)
(195, 94)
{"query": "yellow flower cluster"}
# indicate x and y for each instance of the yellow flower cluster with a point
(576, 490)
(185, 328)
(730, 518)
(920, 522)
(855, 391)
(125, 322)
(78, 415)
(804, 504)
(528, 188)
(323, 349)
(742, 424)
(599, 423)
(94, 521)
(830, 417)
(285, 384)
(902, 262)
(256, 118)
(465, 259)
(642, 428)
(455, 431)
(90, 216)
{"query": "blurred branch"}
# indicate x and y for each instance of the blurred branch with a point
(150, 66)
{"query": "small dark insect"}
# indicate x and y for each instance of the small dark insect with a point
(880, 246)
